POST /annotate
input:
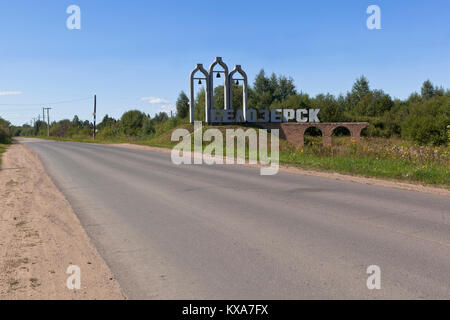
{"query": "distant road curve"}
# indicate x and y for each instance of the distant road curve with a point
(225, 232)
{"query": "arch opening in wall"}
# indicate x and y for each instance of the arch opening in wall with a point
(341, 135)
(365, 132)
(313, 136)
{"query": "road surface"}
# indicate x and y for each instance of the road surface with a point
(225, 232)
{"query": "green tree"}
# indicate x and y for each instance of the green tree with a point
(428, 90)
(330, 109)
(427, 122)
(375, 103)
(182, 105)
(107, 122)
(395, 117)
(76, 122)
(414, 98)
(5, 135)
(219, 98)
(268, 90)
(39, 128)
(298, 101)
(148, 126)
(161, 117)
(238, 96)
(61, 129)
(199, 106)
(360, 89)
(131, 122)
(285, 88)
(273, 85)
(265, 100)
(262, 83)
(4, 124)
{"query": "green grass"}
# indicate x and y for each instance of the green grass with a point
(391, 169)
(88, 139)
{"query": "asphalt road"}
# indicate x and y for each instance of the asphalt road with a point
(225, 232)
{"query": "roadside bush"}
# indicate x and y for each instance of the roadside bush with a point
(5, 137)
(169, 124)
(427, 122)
(148, 127)
(109, 132)
(61, 129)
(131, 122)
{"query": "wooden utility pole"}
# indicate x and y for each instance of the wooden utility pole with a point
(95, 116)
(48, 120)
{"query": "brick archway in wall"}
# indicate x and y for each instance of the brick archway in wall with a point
(294, 132)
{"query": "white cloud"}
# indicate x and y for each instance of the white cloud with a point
(9, 93)
(154, 100)
(167, 108)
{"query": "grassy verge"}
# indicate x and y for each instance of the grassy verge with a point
(391, 159)
(88, 139)
(391, 169)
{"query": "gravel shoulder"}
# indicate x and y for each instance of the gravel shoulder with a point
(41, 236)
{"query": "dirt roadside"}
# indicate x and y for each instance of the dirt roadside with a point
(40, 237)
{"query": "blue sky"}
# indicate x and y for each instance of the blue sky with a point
(129, 50)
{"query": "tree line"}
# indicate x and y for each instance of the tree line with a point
(423, 117)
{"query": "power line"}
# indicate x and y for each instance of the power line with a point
(48, 103)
